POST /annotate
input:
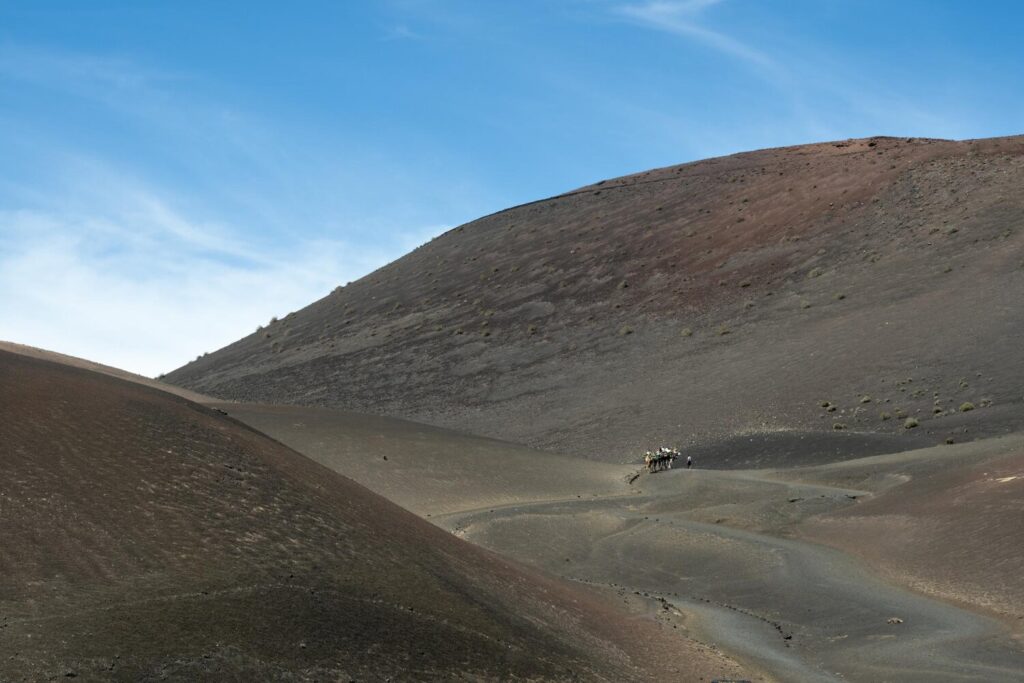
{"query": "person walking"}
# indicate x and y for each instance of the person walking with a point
(689, 462)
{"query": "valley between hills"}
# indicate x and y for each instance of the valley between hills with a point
(435, 472)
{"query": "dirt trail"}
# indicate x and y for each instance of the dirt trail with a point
(798, 610)
(727, 549)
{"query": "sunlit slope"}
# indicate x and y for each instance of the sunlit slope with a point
(430, 470)
(689, 304)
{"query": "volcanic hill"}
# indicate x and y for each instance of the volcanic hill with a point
(861, 296)
(148, 537)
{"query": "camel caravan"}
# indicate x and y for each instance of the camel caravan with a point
(663, 458)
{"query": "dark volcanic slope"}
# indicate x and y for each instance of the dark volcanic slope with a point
(146, 537)
(722, 299)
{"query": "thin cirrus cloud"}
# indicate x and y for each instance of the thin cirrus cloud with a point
(112, 260)
(133, 283)
(155, 205)
(819, 87)
(126, 291)
(682, 18)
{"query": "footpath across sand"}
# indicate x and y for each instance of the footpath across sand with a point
(735, 558)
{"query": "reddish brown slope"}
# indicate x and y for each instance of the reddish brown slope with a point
(145, 536)
(691, 303)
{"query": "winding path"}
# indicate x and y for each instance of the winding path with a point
(794, 609)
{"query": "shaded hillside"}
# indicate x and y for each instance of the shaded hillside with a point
(148, 537)
(830, 288)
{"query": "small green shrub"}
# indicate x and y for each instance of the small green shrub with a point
(910, 423)
(966, 406)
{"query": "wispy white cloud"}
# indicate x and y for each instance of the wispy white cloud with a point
(180, 120)
(96, 77)
(100, 259)
(826, 97)
(677, 8)
(401, 32)
(134, 283)
(682, 18)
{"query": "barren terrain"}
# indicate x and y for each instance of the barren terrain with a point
(928, 588)
(147, 537)
(825, 288)
(831, 331)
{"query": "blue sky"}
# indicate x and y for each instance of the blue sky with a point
(173, 174)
